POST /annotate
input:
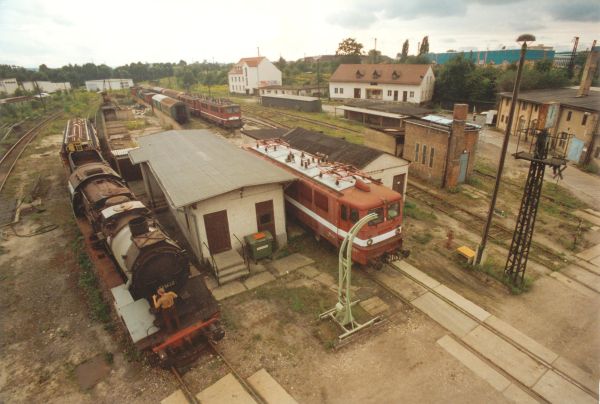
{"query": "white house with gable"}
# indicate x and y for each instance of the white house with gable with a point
(250, 74)
(383, 82)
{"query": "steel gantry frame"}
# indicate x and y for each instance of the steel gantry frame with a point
(518, 255)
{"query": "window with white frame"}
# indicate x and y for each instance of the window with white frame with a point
(412, 94)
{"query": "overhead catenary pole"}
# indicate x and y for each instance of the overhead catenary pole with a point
(515, 95)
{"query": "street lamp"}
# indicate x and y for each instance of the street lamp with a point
(515, 95)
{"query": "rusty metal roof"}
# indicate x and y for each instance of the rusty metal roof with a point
(195, 165)
(406, 74)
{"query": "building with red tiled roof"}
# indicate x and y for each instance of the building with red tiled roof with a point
(250, 74)
(386, 82)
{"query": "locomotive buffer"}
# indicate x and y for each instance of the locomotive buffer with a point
(342, 312)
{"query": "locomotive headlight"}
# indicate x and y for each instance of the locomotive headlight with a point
(370, 241)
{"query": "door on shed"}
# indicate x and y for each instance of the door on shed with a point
(404, 96)
(265, 217)
(217, 231)
(575, 150)
(395, 95)
(464, 162)
(357, 93)
(398, 183)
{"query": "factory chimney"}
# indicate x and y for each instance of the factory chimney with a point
(591, 64)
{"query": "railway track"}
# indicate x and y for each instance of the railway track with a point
(516, 344)
(497, 233)
(191, 397)
(264, 122)
(257, 112)
(10, 158)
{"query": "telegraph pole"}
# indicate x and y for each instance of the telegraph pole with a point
(523, 38)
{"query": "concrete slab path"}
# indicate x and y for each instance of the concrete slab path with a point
(269, 389)
(225, 391)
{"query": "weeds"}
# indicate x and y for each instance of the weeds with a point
(411, 210)
(492, 268)
(100, 311)
(423, 238)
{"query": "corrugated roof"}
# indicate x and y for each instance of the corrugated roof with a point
(290, 97)
(564, 96)
(195, 165)
(372, 112)
(264, 134)
(447, 121)
(381, 73)
(336, 149)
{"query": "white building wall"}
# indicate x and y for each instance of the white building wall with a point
(385, 168)
(268, 74)
(108, 84)
(241, 213)
(347, 91)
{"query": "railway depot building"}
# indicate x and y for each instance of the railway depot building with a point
(383, 82)
(391, 170)
(442, 150)
(217, 193)
(250, 74)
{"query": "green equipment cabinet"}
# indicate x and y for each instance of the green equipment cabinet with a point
(260, 245)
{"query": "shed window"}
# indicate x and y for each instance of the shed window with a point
(417, 152)
(335, 90)
(431, 154)
(341, 90)
(389, 93)
(424, 154)
(569, 115)
(412, 94)
(584, 120)
(321, 201)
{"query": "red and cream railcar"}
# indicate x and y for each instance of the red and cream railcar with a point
(330, 197)
(221, 111)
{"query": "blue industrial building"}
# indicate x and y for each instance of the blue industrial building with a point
(493, 57)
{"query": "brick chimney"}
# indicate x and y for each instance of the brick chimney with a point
(457, 131)
(589, 70)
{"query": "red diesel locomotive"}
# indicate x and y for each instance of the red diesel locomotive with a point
(220, 111)
(330, 197)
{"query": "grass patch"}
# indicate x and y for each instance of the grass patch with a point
(99, 309)
(493, 268)
(301, 300)
(413, 211)
(562, 196)
(423, 238)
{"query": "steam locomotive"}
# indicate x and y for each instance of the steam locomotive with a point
(144, 257)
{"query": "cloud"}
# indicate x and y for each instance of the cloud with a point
(575, 10)
(448, 40)
(352, 19)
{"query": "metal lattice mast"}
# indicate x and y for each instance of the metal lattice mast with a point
(521, 242)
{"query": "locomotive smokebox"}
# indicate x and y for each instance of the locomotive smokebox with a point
(138, 226)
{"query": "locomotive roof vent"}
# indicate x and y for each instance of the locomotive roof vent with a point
(138, 226)
(363, 186)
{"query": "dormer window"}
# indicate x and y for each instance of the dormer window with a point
(359, 74)
(376, 74)
(395, 75)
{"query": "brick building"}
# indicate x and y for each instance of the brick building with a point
(441, 150)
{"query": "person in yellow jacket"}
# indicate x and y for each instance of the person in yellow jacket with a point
(165, 302)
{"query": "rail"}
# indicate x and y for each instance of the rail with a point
(12, 155)
(244, 253)
(213, 263)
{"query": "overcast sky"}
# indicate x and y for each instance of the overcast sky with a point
(58, 32)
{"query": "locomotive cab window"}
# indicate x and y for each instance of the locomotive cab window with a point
(344, 212)
(379, 218)
(393, 210)
(353, 215)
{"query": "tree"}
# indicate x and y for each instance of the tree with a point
(280, 63)
(349, 50)
(424, 46)
(185, 76)
(374, 55)
(404, 54)
(209, 80)
(451, 79)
